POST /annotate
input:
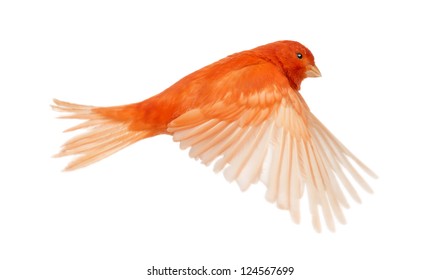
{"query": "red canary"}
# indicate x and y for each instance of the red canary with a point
(244, 113)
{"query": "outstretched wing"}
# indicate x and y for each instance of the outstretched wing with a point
(268, 134)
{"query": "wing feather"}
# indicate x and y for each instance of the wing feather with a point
(212, 139)
(285, 173)
(253, 169)
(297, 184)
(194, 136)
(243, 162)
(229, 140)
(216, 146)
(243, 135)
(335, 195)
(333, 160)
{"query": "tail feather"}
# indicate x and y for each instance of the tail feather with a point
(103, 135)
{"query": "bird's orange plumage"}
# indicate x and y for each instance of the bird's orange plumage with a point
(245, 113)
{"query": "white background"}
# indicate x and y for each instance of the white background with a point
(150, 204)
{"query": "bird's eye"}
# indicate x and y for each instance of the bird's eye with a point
(299, 55)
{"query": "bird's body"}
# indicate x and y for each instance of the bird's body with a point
(245, 113)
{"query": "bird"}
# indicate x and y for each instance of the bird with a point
(244, 115)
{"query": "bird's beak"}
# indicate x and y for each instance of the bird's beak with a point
(313, 72)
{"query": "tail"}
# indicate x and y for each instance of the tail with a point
(108, 130)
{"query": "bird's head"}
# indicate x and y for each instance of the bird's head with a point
(294, 59)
